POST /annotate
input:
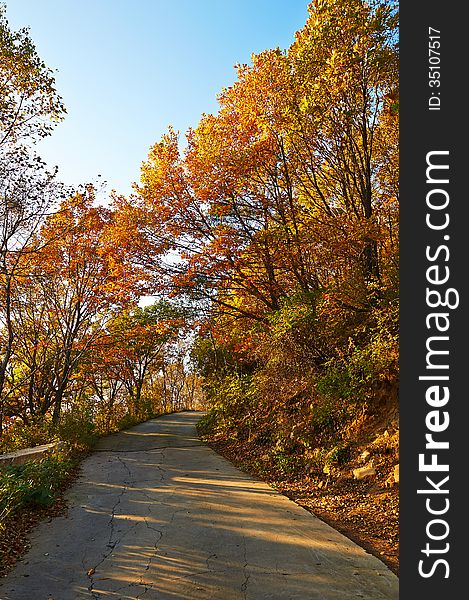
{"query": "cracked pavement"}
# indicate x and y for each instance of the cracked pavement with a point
(157, 515)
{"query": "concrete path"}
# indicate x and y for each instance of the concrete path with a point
(157, 515)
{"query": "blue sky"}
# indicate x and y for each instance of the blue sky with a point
(126, 69)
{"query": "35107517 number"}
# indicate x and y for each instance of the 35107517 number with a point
(434, 68)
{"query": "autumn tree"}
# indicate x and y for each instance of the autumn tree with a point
(29, 108)
(279, 218)
(29, 103)
(279, 190)
(74, 288)
(178, 385)
(28, 193)
(344, 64)
(100, 374)
(141, 337)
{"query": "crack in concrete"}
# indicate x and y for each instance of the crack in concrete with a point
(111, 545)
(157, 503)
(142, 583)
(127, 468)
(111, 523)
(196, 573)
(135, 584)
(147, 589)
(161, 469)
(207, 561)
(244, 586)
(129, 482)
(247, 576)
(158, 531)
(175, 512)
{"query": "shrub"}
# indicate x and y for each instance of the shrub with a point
(127, 421)
(78, 429)
(207, 424)
(32, 483)
(19, 435)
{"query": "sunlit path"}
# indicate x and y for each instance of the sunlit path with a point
(158, 515)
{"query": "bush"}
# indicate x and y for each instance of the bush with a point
(19, 435)
(127, 421)
(77, 428)
(288, 464)
(207, 424)
(232, 398)
(32, 483)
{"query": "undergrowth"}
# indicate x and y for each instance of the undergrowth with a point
(34, 483)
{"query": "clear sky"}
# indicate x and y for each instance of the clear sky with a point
(126, 69)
